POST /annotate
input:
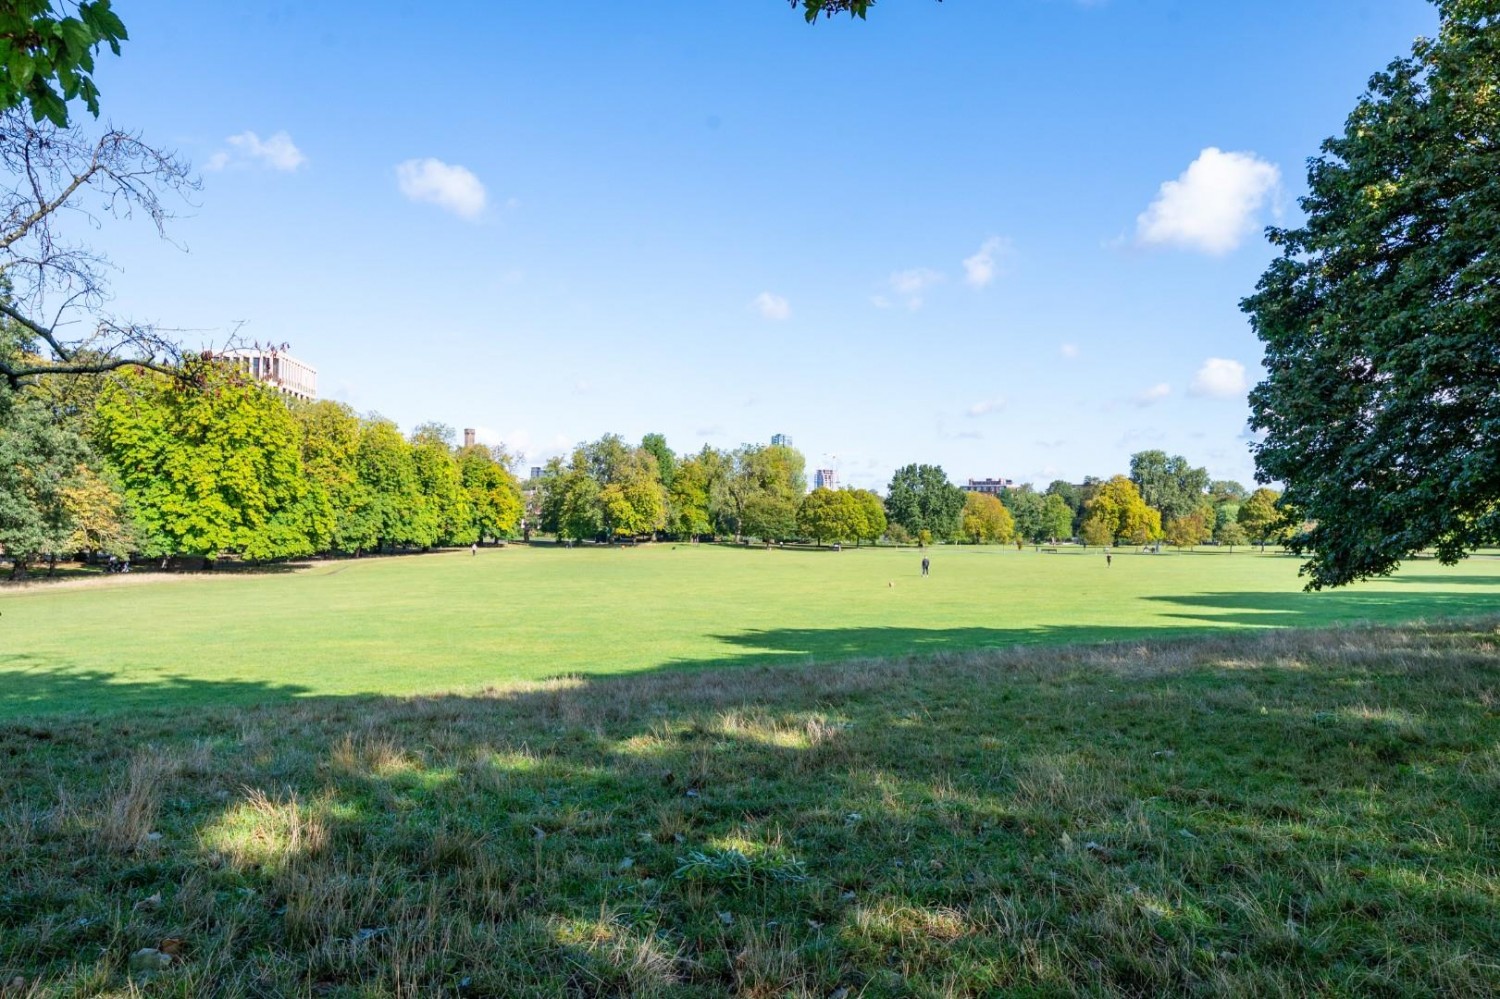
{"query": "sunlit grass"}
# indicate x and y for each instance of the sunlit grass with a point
(452, 622)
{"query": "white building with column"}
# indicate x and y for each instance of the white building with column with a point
(290, 376)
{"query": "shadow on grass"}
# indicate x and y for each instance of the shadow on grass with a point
(32, 687)
(1271, 812)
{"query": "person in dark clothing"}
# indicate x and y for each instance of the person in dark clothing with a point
(925, 565)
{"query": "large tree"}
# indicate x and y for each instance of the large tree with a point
(330, 436)
(42, 461)
(1170, 484)
(921, 498)
(1261, 517)
(986, 520)
(397, 515)
(213, 466)
(829, 515)
(1381, 318)
(1116, 511)
(494, 493)
(871, 523)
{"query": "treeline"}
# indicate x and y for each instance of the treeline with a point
(212, 463)
(1162, 499)
(608, 489)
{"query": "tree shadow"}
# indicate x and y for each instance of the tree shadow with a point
(33, 687)
(1113, 811)
(1273, 609)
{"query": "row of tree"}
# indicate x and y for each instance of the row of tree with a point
(206, 461)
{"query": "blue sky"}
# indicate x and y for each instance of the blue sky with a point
(1004, 236)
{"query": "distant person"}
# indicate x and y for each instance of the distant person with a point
(474, 548)
(1108, 560)
(926, 564)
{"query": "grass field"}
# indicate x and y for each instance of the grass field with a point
(452, 622)
(1278, 812)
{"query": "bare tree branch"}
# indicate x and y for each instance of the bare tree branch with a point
(53, 182)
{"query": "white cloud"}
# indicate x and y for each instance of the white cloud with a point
(1152, 395)
(1221, 378)
(981, 268)
(1213, 206)
(772, 306)
(448, 186)
(278, 152)
(986, 407)
(1068, 350)
(912, 284)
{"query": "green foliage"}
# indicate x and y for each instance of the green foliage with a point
(633, 503)
(42, 461)
(1188, 530)
(397, 514)
(47, 54)
(211, 463)
(759, 490)
(494, 493)
(828, 8)
(921, 498)
(1117, 512)
(689, 496)
(1230, 534)
(1026, 507)
(666, 461)
(1379, 318)
(986, 520)
(103, 519)
(870, 523)
(1056, 518)
(832, 515)
(1170, 485)
(444, 498)
(1261, 516)
(770, 516)
(330, 437)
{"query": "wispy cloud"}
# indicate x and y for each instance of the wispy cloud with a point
(449, 186)
(1213, 205)
(278, 152)
(986, 407)
(987, 261)
(1220, 378)
(1068, 350)
(772, 306)
(1152, 395)
(910, 286)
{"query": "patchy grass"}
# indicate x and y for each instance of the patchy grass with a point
(1273, 813)
(452, 622)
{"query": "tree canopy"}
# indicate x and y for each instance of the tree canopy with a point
(1381, 406)
(921, 498)
(47, 49)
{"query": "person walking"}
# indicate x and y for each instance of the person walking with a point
(474, 548)
(1108, 560)
(926, 564)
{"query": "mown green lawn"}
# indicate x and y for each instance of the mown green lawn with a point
(452, 622)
